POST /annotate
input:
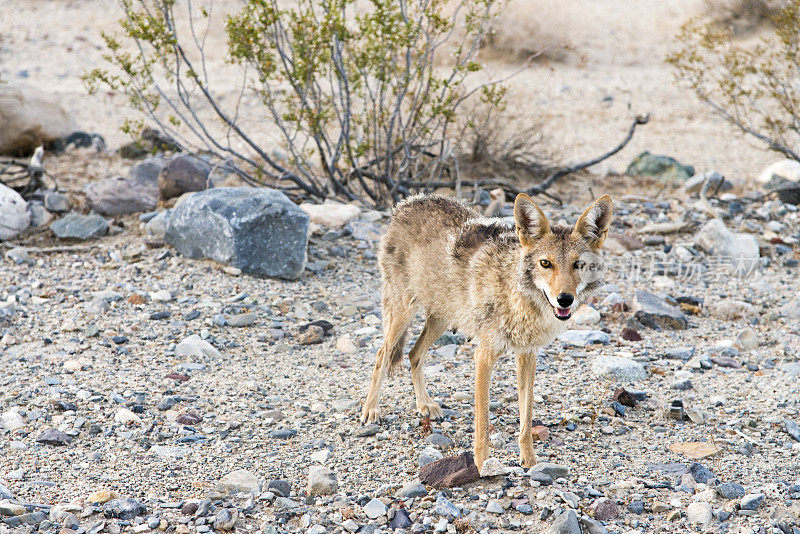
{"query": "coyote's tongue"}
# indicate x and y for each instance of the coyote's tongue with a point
(562, 312)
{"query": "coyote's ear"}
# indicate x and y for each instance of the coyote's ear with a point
(594, 223)
(529, 219)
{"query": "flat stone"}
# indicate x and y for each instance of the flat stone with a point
(239, 481)
(653, 312)
(730, 490)
(751, 501)
(700, 473)
(581, 338)
(125, 509)
(554, 471)
(618, 368)
(240, 320)
(53, 436)
(121, 196)
(197, 347)
(258, 230)
(450, 472)
(411, 490)
(375, 509)
(281, 488)
(78, 226)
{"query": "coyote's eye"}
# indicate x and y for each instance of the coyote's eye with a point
(545, 264)
(579, 264)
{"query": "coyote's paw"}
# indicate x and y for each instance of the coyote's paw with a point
(528, 459)
(370, 414)
(430, 410)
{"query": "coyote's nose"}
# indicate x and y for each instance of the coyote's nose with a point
(565, 300)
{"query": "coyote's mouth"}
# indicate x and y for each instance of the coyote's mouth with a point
(562, 314)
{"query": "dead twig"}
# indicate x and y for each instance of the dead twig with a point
(550, 180)
(55, 250)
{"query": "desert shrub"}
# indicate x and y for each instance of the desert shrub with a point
(351, 87)
(756, 87)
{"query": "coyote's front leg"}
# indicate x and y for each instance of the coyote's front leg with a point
(485, 358)
(526, 370)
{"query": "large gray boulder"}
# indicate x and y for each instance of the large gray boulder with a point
(258, 230)
(29, 118)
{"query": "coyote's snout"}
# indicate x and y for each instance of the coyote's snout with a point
(508, 286)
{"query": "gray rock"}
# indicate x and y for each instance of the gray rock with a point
(411, 490)
(653, 312)
(375, 509)
(78, 226)
(791, 309)
(581, 338)
(125, 509)
(18, 255)
(322, 481)
(751, 501)
(257, 230)
(224, 520)
(121, 196)
(14, 216)
(56, 202)
(53, 436)
(439, 440)
(281, 488)
(792, 429)
(148, 170)
(566, 523)
(665, 168)
(700, 473)
(716, 182)
(429, 455)
(39, 216)
(730, 490)
(157, 226)
(183, 174)
(680, 353)
(618, 368)
(554, 471)
(344, 405)
(284, 503)
(364, 231)
(445, 507)
(494, 507)
(739, 251)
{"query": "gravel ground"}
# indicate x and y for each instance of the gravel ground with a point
(91, 352)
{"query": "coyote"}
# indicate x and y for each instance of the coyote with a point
(508, 287)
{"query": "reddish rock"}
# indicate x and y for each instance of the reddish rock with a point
(136, 299)
(178, 377)
(629, 334)
(624, 397)
(540, 433)
(182, 175)
(450, 472)
(606, 509)
(188, 418)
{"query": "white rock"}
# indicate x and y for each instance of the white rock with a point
(161, 296)
(738, 252)
(492, 468)
(586, 315)
(330, 213)
(350, 525)
(12, 420)
(126, 417)
(347, 345)
(194, 346)
(375, 509)
(18, 255)
(618, 368)
(699, 513)
(747, 339)
(321, 456)
(321, 481)
(239, 481)
(787, 169)
(14, 216)
(730, 309)
(791, 309)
